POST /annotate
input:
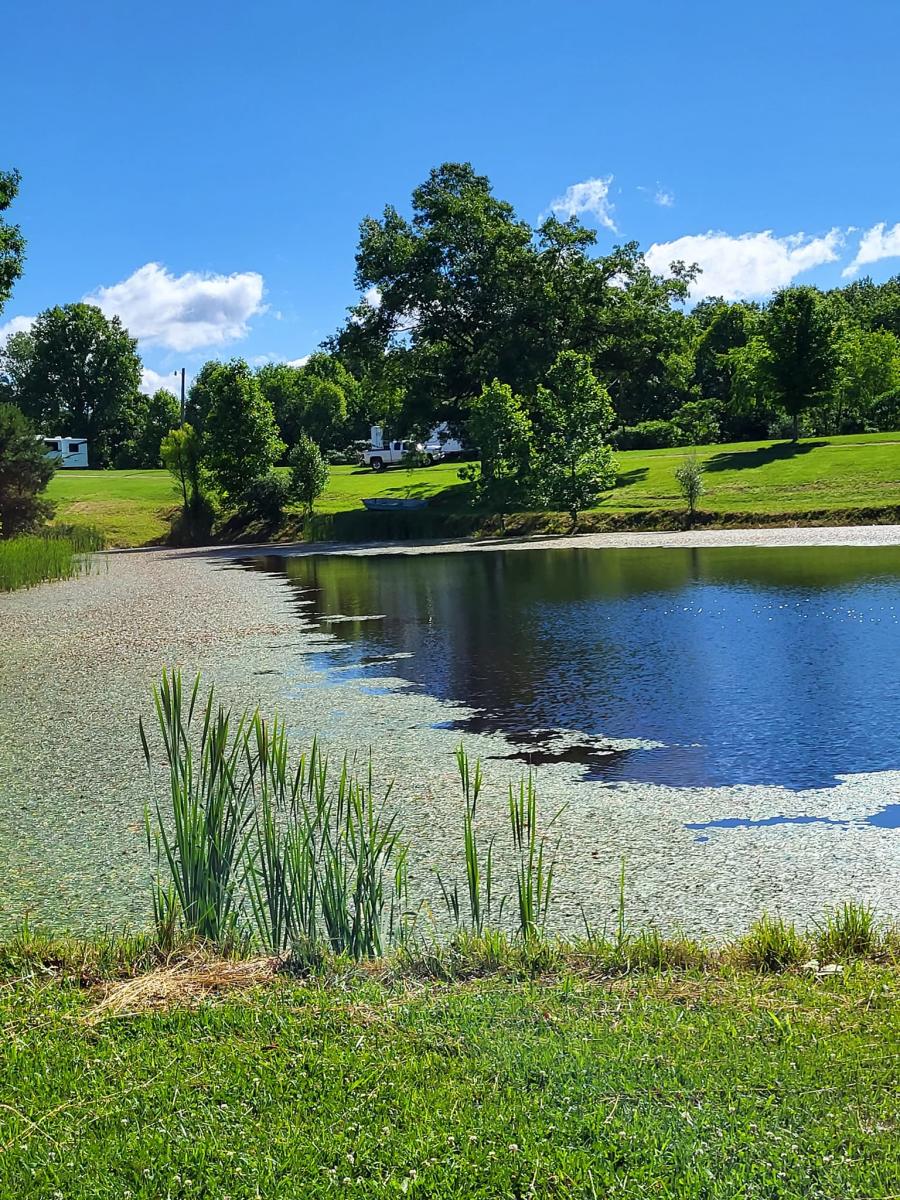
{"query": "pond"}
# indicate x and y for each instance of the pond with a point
(723, 719)
(724, 666)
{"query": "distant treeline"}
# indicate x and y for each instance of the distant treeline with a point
(465, 293)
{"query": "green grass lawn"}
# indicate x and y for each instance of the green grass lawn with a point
(669, 1086)
(844, 473)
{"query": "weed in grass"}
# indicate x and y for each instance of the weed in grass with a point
(534, 871)
(848, 931)
(772, 944)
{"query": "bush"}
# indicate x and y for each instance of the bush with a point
(265, 497)
(689, 477)
(647, 435)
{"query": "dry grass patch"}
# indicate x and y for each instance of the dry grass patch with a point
(184, 984)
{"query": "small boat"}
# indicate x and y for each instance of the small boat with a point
(380, 503)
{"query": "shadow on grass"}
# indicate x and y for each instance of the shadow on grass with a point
(737, 460)
(627, 478)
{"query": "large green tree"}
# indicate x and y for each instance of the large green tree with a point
(76, 372)
(151, 418)
(25, 471)
(241, 442)
(800, 335)
(464, 292)
(12, 243)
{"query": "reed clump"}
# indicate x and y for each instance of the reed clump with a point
(255, 848)
(55, 553)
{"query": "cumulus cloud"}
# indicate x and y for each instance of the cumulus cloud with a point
(748, 265)
(16, 325)
(182, 312)
(152, 381)
(664, 198)
(589, 196)
(372, 297)
(875, 244)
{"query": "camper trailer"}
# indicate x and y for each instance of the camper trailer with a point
(68, 451)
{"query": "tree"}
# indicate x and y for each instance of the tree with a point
(868, 379)
(501, 430)
(25, 471)
(574, 413)
(696, 423)
(689, 477)
(161, 414)
(309, 471)
(241, 442)
(465, 292)
(12, 244)
(76, 372)
(799, 332)
(181, 451)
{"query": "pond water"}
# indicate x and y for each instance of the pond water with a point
(715, 667)
(723, 720)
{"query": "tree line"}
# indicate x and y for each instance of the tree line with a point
(469, 312)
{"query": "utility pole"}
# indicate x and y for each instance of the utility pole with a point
(182, 395)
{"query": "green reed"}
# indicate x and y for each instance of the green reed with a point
(40, 558)
(534, 869)
(479, 875)
(262, 848)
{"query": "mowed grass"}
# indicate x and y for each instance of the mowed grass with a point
(671, 1086)
(131, 508)
(844, 473)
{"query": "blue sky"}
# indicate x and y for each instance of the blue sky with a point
(202, 168)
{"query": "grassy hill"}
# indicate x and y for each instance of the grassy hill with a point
(838, 475)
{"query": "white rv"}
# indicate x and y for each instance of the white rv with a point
(68, 451)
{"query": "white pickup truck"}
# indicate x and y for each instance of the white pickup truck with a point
(387, 455)
(438, 447)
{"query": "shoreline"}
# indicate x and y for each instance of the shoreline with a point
(763, 536)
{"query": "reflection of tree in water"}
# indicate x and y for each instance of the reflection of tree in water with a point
(758, 665)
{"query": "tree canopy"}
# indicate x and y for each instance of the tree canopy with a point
(12, 243)
(75, 372)
(25, 471)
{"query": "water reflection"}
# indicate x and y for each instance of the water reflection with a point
(748, 665)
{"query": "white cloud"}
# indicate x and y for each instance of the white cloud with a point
(748, 265)
(589, 196)
(372, 297)
(264, 360)
(182, 312)
(152, 381)
(664, 198)
(875, 244)
(16, 325)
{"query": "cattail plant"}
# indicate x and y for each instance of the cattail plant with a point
(260, 849)
(534, 873)
(479, 875)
